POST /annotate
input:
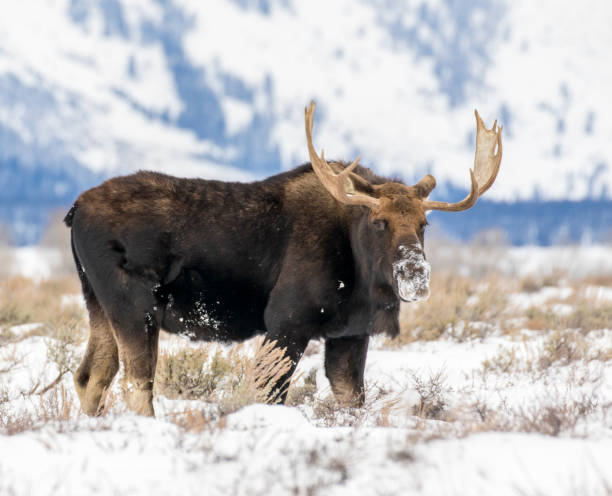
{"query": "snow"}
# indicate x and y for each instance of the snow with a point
(574, 260)
(35, 262)
(138, 456)
(109, 97)
(545, 115)
(38, 262)
(384, 448)
(272, 449)
(90, 85)
(538, 298)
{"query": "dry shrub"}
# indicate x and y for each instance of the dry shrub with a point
(258, 377)
(598, 280)
(190, 373)
(530, 284)
(553, 420)
(491, 301)
(388, 406)
(6, 335)
(24, 301)
(62, 349)
(568, 346)
(542, 319)
(430, 319)
(586, 316)
(57, 405)
(589, 316)
(563, 348)
(193, 420)
(560, 348)
(554, 277)
(10, 359)
(303, 393)
(504, 361)
(233, 380)
(432, 397)
(326, 409)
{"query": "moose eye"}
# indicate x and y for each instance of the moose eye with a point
(380, 224)
(422, 225)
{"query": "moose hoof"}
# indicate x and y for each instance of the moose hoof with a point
(141, 402)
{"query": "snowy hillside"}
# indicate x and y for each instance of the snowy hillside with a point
(91, 88)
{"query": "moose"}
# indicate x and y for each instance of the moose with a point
(326, 250)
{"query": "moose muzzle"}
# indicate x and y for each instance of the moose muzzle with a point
(411, 273)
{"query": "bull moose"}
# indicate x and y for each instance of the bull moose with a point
(326, 250)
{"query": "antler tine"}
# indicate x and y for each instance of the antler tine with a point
(340, 185)
(468, 202)
(486, 160)
(486, 166)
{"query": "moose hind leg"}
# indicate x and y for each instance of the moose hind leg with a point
(138, 339)
(344, 365)
(100, 363)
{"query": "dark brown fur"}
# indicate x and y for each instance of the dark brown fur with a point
(224, 261)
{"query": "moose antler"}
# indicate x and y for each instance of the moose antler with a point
(486, 167)
(341, 185)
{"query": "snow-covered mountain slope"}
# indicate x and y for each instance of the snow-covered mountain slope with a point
(91, 88)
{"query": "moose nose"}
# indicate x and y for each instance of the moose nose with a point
(411, 273)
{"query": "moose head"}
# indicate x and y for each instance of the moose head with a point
(392, 225)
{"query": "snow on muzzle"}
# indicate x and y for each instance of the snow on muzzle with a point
(411, 273)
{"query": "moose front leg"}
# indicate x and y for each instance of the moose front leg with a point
(344, 365)
(293, 345)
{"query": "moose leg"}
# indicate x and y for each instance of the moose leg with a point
(294, 346)
(344, 365)
(100, 363)
(138, 338)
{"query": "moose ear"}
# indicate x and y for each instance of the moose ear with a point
(425, 186)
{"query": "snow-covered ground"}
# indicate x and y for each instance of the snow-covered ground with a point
(514, 410)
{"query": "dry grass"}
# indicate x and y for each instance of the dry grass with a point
(432, 397)
(563, 348)
(191, 373)
(62, 351)
(233, 379)
(549, 419)
(459, 307)
(10, 357)
(586, 315)
(463, 308)
(24, 301)
(259, 378)
(195, 420)
(505, 361)
(533, 284)
(559, 348)
(568, 346)
(57, 405)
(304, 393)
